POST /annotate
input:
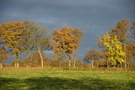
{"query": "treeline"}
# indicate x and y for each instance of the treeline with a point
(117, 47)
(27, 37)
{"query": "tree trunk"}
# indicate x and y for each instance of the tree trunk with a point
(125, 62)
(74, 59)
(92, 64)
(60, 63)
(41, 57)
(1, 66)
(97, 63)
(125, 65)
(27, 59)
(107, 63)
(69, 60)
(16, 63)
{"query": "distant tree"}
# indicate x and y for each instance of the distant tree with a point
(93, 55)
(121, 30)
(115, 40)
(130, 47)
(28, 42)
(130, 53)
(36, 39)
(115, 50)
(65, 41)
(11, 33)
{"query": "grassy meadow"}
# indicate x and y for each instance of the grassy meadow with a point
(40, 79)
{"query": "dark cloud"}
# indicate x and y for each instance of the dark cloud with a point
(94, 17)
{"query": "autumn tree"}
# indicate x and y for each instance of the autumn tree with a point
(130, 53)
(77, 41)
(130, 48)
(37, 39)
(11, 33)
(93, 55)
(113, 43)
(65, 41)
(116, 51)
(133, 36)
(27, 38)
(120, 30)
(3, 54)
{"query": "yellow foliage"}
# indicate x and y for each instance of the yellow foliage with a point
(114, 49)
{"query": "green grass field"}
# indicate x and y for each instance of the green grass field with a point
(66, 79)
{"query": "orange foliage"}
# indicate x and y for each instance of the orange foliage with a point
(11, 33)
(66, 40)
(120, 30)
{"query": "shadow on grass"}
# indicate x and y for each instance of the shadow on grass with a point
(11, 84)
(53, 83)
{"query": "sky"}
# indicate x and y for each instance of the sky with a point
(93, 17)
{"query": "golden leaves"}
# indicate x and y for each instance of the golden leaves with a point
(11, 34)
(66, 40)
(112, 42)
(114, 49)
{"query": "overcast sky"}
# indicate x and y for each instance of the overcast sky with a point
(93, 17)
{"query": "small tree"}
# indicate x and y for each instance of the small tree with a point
(114, 43)
(37, 39)
(115, 49)
(93, 55)
(120, 30)
(65, 41)
(130, 53)
(11, 33)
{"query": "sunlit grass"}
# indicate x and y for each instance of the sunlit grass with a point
(66, 79)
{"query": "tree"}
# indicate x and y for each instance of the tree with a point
(37, 39)
(115, 50)
(130, 47)
(27, 39)
(121, 30)
(65, 41)
(115, 42)
(11, 33)
(131, 34)
(130, 53)
(93, 55)
(78, 34)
